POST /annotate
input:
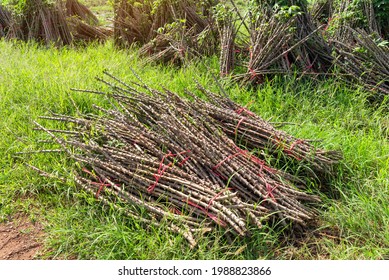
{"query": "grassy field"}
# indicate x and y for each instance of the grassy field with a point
(354, 215)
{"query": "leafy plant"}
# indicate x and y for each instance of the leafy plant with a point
(363, 14)
(19, 6)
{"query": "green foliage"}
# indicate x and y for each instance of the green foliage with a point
(287, 12)
(19, 6)
(356, 14)
(16, 6)
(381, 8)
(283, 10)
(221, 12)
(279, 3)
(173, 29)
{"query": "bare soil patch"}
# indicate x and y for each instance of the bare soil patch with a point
(20, 239)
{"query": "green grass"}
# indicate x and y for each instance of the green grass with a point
(103, 9)
(354, 214)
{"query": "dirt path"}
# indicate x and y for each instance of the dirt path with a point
(20, 239)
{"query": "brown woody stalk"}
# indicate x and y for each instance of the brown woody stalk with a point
(176, 160)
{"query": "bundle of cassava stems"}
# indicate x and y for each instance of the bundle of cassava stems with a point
(197, 163)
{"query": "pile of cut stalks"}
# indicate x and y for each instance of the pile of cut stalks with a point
(182, 161)
(58, 23)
